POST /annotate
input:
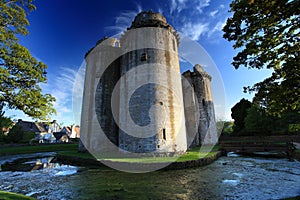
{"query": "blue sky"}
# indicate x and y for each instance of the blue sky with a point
(62, 31)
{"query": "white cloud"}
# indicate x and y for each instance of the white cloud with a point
(173, 6)
(202, 4)
(213, 13)
(160, 10)
(196, 30)
(61, 87)
(217, 28)
(123, 21)
(178, 5)
(78, 93)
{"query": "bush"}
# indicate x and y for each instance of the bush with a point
(2, 137)
(15, 135)
(27, 136)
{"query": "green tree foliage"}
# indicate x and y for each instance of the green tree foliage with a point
(5, 123)
(258, 122)
(227, 128)
(20, 72)
(239, 113)
(268, 36)
(15, 135)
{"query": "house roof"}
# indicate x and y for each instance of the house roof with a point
(32, 126)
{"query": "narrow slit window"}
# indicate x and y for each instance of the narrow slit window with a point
(164, 134)
(174, 45)
(144, 57)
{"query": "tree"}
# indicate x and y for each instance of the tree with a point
(258, 122)
(239, 113)
(21, 74)
(267, 34)
(227, 128)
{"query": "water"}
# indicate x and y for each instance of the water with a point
(227, 178)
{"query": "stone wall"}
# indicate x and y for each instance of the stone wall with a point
(96, 115)
(154, 81)
(133, 94)
(199, 108)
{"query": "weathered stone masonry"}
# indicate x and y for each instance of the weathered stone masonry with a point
(153, 42)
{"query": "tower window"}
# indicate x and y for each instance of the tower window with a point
(161, 103)
(203, 102)
(164, 134)
(117, 44)
(174, 45)
(144, 57)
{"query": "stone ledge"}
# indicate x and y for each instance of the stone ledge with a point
(78, 161)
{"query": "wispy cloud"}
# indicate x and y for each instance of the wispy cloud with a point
(60, 86)
(217, 28)
(195, 30)
(78, 93)
(123, 20)
(178, 5)
(202, 4)
(213, 13)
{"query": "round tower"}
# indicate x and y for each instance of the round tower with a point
(207, 129)
(151, 103)
(102, 73)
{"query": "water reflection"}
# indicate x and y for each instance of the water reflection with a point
(27, 164)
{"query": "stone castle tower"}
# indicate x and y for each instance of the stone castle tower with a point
(134, 93)
(199, 108)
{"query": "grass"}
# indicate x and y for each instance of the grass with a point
(193, 154)
(71, 150)
(39, 148)
(13, 196)
(113, 184)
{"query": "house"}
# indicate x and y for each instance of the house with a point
(72, 131)
(36, 127)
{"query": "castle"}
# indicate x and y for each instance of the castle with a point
(135, 98)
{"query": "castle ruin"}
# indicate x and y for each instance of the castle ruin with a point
(154, 109)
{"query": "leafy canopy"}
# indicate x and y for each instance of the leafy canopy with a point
(267, 34)
(239, 113)
(20, 72)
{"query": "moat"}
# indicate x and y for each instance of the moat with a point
(233, 177)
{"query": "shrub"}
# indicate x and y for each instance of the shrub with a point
(15, 135)
(27, 136)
